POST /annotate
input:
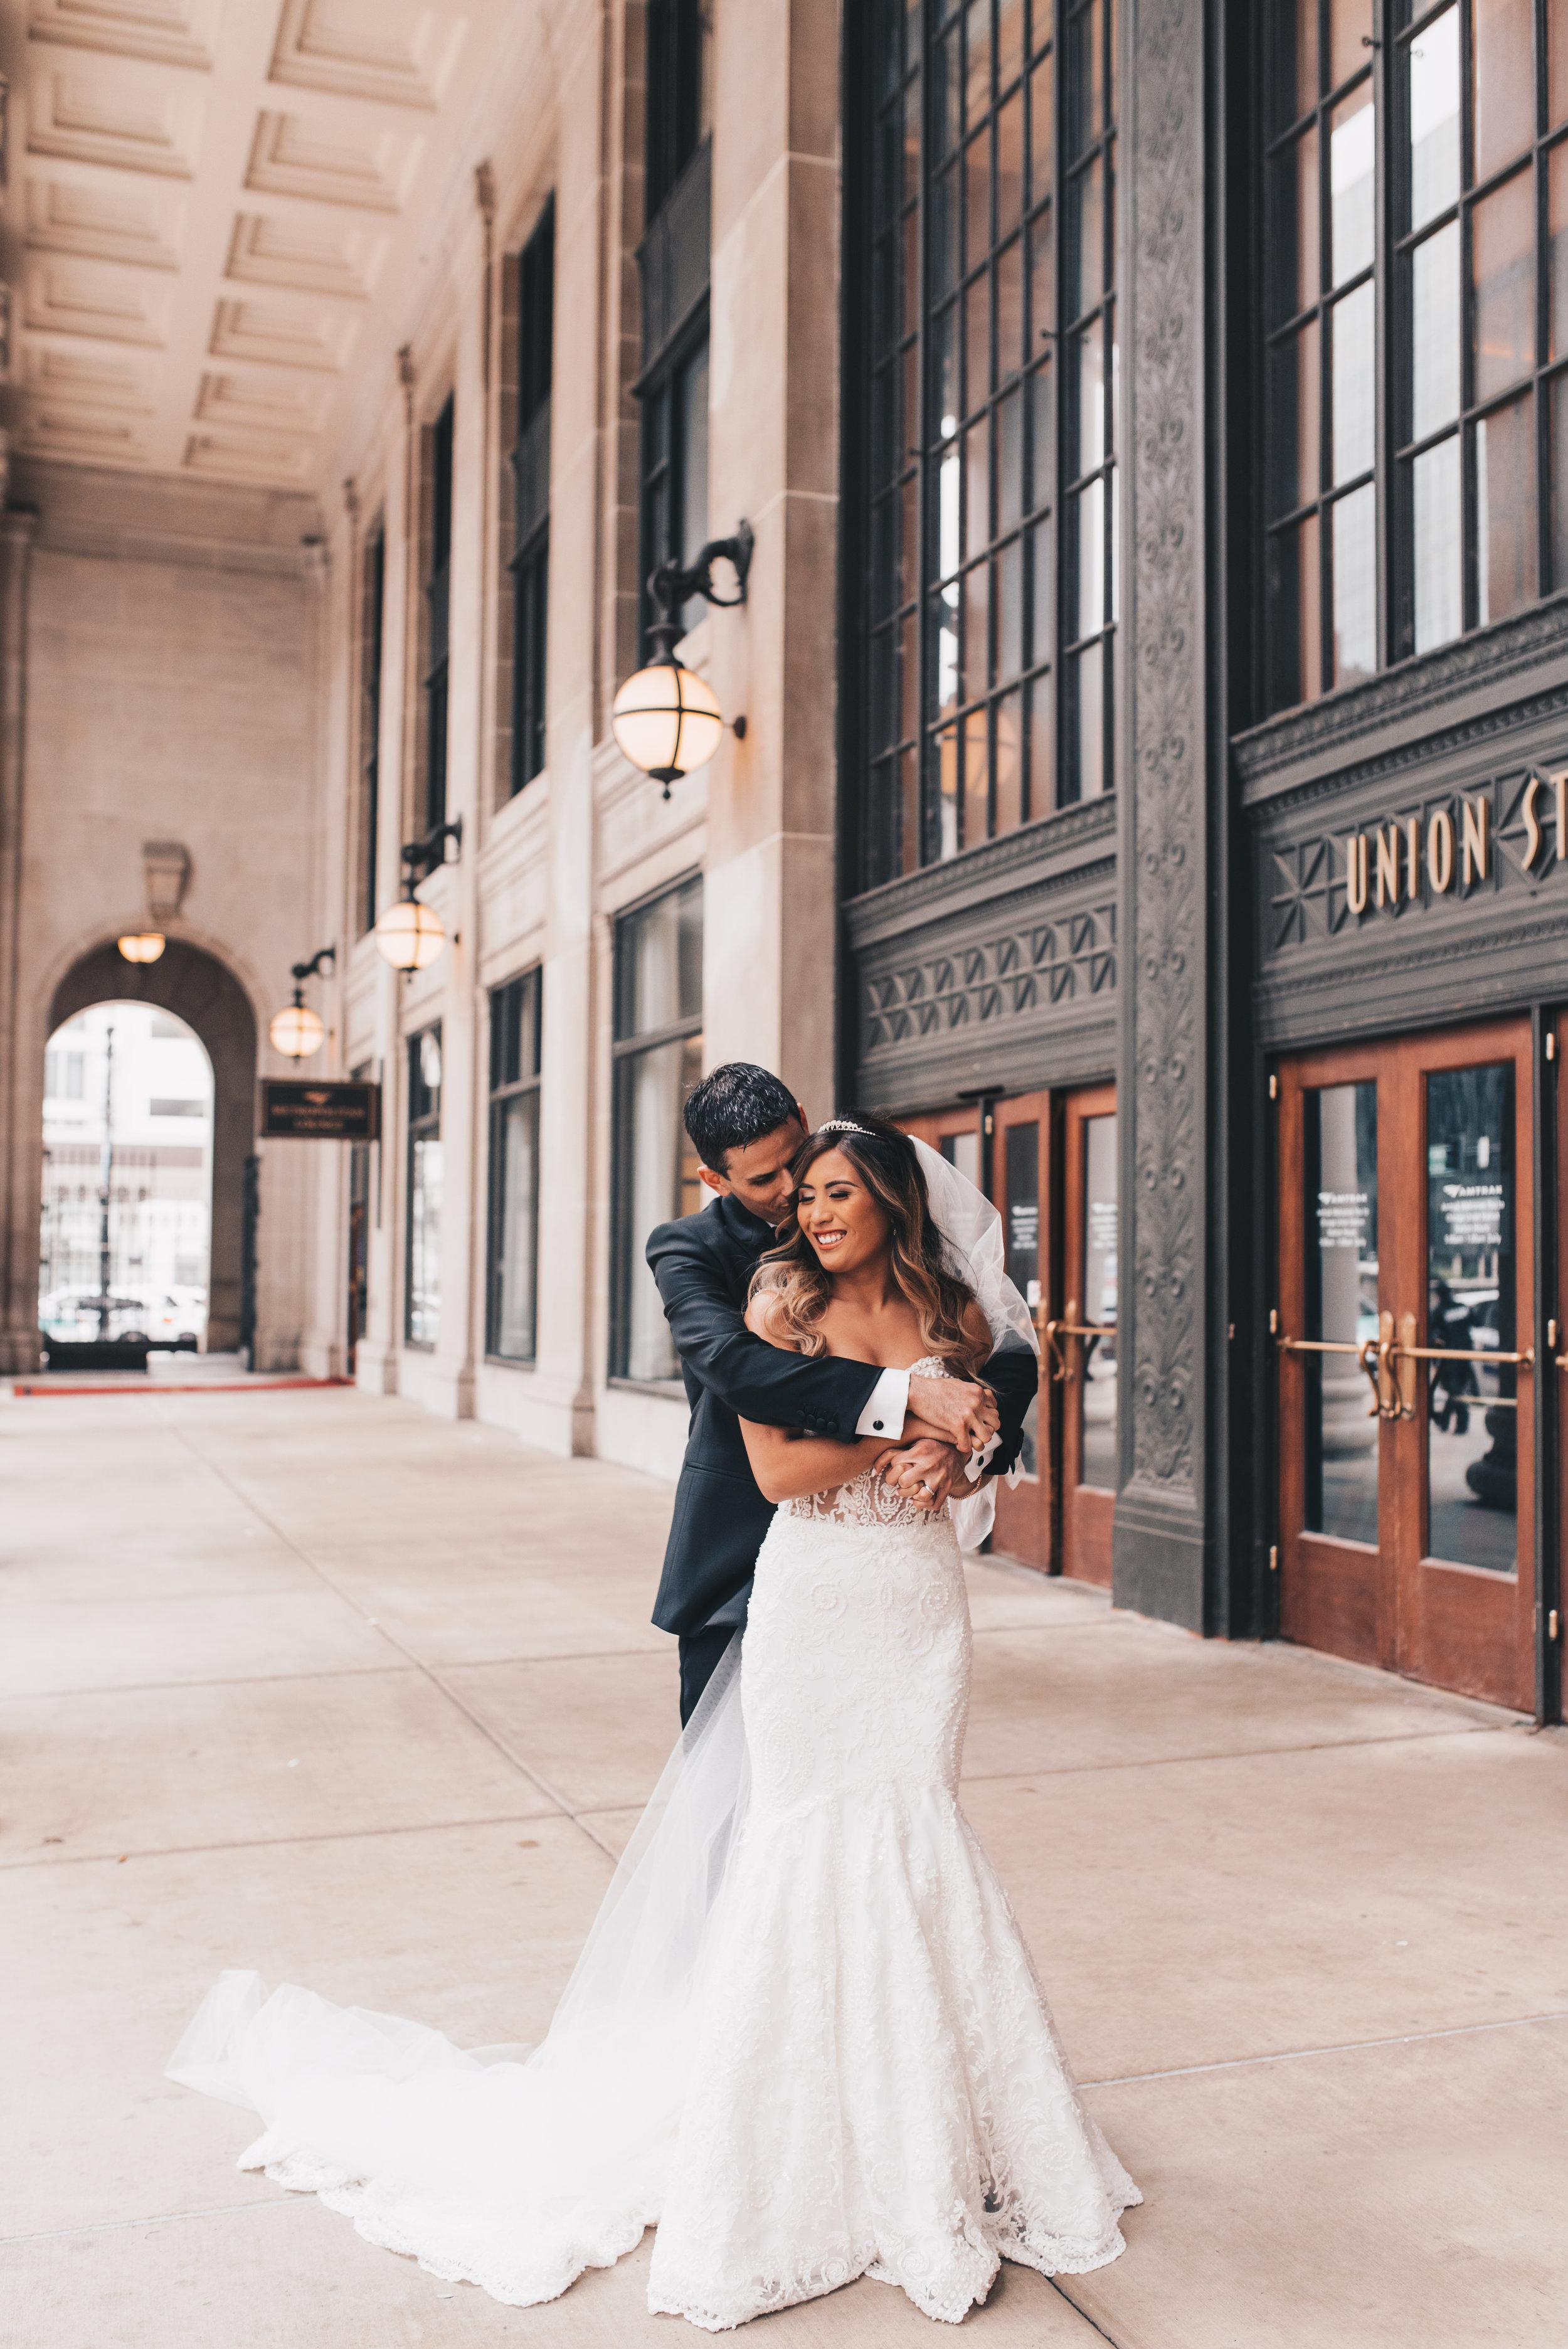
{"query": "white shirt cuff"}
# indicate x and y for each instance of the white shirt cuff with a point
(884, 1412)
(978, 1461)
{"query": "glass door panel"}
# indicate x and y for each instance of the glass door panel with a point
(1086, 1342)
(1339, 1432)
(1472, 1404)
(1405, 1338)
(1020, 1206)
(1099, 1394)
(1021, 1171)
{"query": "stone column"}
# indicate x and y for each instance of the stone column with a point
(1169, 1321)
(770, 898)
(376, 1357)
(450, 1388)
(20, 1083)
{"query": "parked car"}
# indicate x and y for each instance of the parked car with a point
(74, 1313)
(173, 1316)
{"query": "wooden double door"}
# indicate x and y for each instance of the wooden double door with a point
(1407, 1357)
(1050, 1162)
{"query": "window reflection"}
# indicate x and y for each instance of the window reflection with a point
(1502, 250)
(1472, 1415)
(1505, 509)
(1354, 403)
(1340, 1268)
(1434, 116)
(1439, 546)
(1504, 83)
(1352, 167)
(1435, 331)
(1099, 1388)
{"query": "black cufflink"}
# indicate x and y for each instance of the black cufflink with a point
(876, 1424)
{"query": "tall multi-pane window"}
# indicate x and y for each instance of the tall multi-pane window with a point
(1417, 207)
(673, 258)
(679, 91)
(531, 483)
(439, 608)
(512, 1312)
(422, 1297)
(991, 226)
(675, 470)
(373, 589)
(657, 1054)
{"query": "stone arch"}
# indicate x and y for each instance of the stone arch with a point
(197, 988)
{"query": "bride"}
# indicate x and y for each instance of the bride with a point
(804, 2037)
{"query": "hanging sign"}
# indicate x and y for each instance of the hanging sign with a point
(325, 1111)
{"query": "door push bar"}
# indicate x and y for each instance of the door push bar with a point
(1062, 1363)
(1390, 1365)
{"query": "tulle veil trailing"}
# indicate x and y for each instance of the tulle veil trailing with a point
(510, 2167)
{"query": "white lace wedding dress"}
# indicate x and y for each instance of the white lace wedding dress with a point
(806, 2038)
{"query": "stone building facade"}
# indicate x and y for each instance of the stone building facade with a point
(1148, 418)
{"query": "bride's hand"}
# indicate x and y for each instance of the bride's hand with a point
(960, 1410)
(925, 1472)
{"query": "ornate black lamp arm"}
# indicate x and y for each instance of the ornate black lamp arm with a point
(673, 583)
(300, 971)
(422, 856)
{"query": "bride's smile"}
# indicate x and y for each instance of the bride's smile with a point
(846, 1226)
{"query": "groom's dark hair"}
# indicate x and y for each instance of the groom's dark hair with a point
(733, 1106)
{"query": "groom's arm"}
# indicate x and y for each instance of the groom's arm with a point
(1014, 1377)
(825, 1395)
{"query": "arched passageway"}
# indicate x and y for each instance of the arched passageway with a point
(125, 1242)
(196, 988)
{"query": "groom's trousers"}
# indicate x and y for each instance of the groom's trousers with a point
(699, 1661)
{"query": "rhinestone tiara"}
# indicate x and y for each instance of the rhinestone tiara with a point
(845, 1125)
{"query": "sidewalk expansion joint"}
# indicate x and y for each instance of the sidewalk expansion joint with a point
(226, 1680)
(158, 2219)
(1078, 2308)
(1336, 2047)
(111, 1858)
(1232, 1754)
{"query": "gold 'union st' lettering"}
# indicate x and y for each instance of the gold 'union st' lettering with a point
(1378, 860)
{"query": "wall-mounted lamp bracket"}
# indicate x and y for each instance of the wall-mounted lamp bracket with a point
(674, 583)
(421, 857)
(300, 971)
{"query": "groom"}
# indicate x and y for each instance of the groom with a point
(746, 1127)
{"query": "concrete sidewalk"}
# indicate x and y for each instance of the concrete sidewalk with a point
(317, 1684)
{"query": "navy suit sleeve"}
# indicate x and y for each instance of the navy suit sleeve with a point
(759, 1382)
(1014, 1377)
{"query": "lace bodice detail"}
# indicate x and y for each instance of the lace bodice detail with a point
(866, 1500)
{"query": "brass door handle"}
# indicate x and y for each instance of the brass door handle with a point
(1391, 1363)
(1071, 1327)
(1404, 1356)
(1366, 1352)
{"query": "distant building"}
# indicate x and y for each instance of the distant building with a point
(157, 1092)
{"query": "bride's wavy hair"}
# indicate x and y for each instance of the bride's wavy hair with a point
(791, 1274)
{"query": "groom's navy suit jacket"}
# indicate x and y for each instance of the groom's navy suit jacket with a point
(704, 1265)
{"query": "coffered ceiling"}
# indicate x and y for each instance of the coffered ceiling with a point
(214, 216)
